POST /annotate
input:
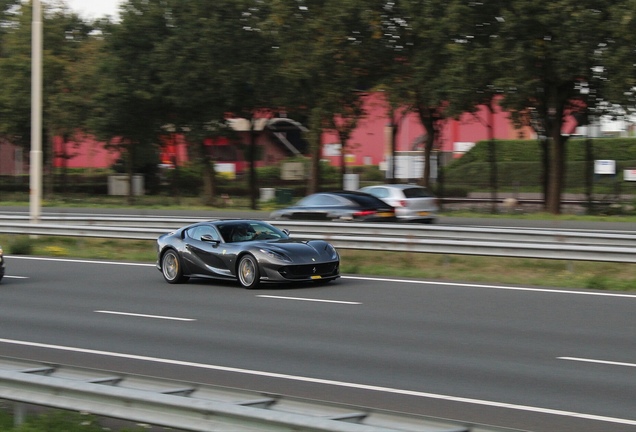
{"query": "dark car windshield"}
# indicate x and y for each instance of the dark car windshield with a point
(417, 192)
(239, 231)
(367, 201)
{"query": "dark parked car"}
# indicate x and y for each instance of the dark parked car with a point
(338, 206)
(248, 251)
(413, 203)
(1, 264)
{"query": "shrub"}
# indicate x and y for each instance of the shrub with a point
(22, 246)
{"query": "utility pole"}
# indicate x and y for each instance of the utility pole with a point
(35, 194)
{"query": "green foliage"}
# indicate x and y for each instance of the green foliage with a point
(598, 282)
(57, 421)
(6, 419)
(21, 246)
(519, 164)
(199, 61)
(60, 421)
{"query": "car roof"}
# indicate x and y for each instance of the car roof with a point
(401, 186)
(224, 220)
(345, 193)
(356, 196)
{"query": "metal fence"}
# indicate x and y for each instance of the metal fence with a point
(482, 241)
(196, 407)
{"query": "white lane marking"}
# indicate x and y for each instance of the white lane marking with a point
(378, 279)
(500, 287)
(331, 382)
(81, 261)
(309, 299)
(605, 362)
(16, 277)
(144, 315)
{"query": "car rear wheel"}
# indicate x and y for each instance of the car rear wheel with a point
(248, 273)
(171, 268)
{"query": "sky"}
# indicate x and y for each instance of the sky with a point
(91, 9)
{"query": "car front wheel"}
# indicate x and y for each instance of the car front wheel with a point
(171, 268)
(248, 273)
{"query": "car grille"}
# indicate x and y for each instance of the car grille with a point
(306, 271)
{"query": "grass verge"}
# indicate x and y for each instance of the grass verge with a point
(455, 268)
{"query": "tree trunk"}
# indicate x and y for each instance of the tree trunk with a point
(209, 192)
(556, 175)
(545, 170)
(589, 173)
(492, 156)
(344, 137)
(130, 169)
(174, 181)
(430, 119)
(252, 161)
(428, 150)
(64, 168)
(395, 128)
(315, 180)
(315, 140)
(431, 134)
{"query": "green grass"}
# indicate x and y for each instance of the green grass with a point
(455, 268)
(492, 270)
(48, 420)
(542, 216)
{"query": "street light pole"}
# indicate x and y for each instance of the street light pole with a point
(35, 195)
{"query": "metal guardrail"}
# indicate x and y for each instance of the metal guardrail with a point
(503, 242)
(197, 407)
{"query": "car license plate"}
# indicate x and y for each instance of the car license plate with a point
(386, 214)
(316, 277)
(423, 213)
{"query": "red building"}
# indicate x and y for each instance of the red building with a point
(370, 142)
(280, 138)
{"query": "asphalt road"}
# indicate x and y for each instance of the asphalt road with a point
(531, 359)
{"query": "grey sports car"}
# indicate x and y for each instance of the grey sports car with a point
(249, 251)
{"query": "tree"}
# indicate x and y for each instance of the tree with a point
(254, 85)
(419, 42)
(552, 48)
(71, 81)
(15, 70)
(618, 71)
(216, 64)
(327, 52)
(129, 109)
(473, 70)
(64, 35)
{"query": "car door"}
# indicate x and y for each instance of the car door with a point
(314, 207)
(205, 252)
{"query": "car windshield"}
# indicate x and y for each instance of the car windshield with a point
(323, 200)
(367, 201)
(417, 192)
(234, 232)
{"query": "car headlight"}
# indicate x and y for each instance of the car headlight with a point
(331, 251)
(275, 255)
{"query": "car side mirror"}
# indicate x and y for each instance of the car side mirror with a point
(286, 231)
(208, 238)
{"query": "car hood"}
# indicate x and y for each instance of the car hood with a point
(298, 250)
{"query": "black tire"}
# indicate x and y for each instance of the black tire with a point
(248, 272)
(171, 267)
